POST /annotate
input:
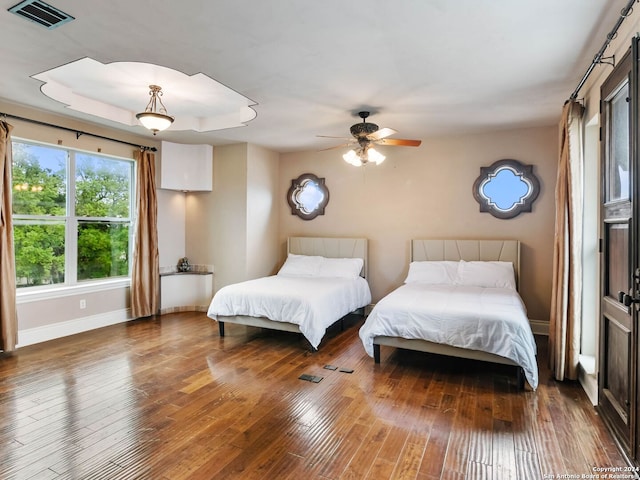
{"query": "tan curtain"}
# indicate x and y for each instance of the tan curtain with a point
(8, 309)
(566, 294)
(145, 273)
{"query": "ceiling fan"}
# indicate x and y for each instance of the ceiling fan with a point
(366, 135)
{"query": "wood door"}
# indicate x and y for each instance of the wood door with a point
(618, 334)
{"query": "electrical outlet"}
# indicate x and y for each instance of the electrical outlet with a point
(83, 303)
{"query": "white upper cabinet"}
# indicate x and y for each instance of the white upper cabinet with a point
(188, 168)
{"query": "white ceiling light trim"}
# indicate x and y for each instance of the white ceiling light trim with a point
(116, 92)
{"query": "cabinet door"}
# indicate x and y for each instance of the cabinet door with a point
(185, 292)
(185, 167)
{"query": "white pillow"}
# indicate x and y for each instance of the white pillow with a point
(433, 273)
(300, 266)
(487, 274)
(341, 267)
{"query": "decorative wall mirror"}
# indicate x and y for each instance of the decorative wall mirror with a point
(506, 188)
(308, 196)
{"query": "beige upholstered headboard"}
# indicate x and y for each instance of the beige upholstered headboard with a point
(330, 247)
(469, 250)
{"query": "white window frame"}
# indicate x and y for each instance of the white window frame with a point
(71, 285)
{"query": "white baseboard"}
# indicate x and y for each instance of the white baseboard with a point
(589, 384)
(35, 335)
(539, 327)
(188, 308)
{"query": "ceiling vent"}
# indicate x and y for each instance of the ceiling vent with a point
(41, 13)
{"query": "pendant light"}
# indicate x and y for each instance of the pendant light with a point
(153, 118)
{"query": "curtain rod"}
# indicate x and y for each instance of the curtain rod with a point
(77, 132)
(626, 11)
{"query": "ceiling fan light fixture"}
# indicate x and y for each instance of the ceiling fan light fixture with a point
(374, 156)
(352, 158)
(154, 118)
(363, 156)
(366, 135)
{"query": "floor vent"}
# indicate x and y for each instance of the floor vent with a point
(41, 13)
(311, 378)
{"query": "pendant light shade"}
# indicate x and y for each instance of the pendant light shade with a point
(154, 118)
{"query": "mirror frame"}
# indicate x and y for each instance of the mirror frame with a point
(297, 186)
(524, 204)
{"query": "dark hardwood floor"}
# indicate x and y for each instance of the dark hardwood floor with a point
(167, 398)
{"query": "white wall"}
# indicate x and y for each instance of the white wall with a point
(235, 226)
(172, 214)
(262, 212)
(216, 223)
(590, 245)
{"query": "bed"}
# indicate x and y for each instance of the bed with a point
(460, 300)
(321, 281)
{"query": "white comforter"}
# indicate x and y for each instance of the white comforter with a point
(312, 303)
(489, 319)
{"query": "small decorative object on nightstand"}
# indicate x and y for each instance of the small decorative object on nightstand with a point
(183, 265)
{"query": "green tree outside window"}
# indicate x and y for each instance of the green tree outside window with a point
(98, 217)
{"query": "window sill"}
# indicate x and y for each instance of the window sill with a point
(66, 291)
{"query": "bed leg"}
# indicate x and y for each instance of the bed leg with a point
(221, 328)
(520, 377)
(376, 353)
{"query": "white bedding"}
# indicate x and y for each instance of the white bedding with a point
(312, 303)
(488, 319)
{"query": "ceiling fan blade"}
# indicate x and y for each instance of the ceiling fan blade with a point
(380, 134)
(331, 136)
(399, 142)
(336, 146)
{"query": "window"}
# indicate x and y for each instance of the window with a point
(72, 214)
(617, 187)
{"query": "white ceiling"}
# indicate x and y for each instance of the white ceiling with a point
(423, 67)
